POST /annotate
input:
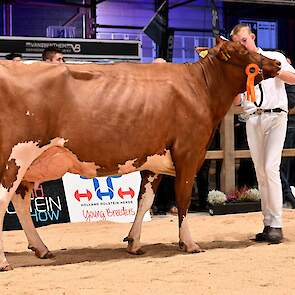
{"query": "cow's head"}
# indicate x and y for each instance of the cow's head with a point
(236, 54)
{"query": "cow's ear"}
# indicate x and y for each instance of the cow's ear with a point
(204, 51)
(220, 40)
(223, 53)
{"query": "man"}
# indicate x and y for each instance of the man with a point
(266, 130)
(159, 60)
(287, 164)
(53, 55)
(14, 56)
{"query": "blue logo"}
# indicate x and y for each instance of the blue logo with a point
(100, 194)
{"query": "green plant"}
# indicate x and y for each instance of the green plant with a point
(216, 197)
(249, 195)
(245, 194)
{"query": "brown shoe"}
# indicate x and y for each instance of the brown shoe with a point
(275, 235)
(263, 237)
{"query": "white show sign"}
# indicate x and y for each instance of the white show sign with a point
(112, 198)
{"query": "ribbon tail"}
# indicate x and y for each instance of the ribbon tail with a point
(253, 96)
(250, 89)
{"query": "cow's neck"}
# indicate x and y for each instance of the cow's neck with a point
(224, 81)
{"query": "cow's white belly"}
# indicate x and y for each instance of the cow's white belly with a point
(55, 161)
(26, 152)
(160, 164)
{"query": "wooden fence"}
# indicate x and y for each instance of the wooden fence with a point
(229, 154)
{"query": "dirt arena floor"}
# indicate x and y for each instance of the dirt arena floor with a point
(91, 259)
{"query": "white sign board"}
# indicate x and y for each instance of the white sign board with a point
(112, 198)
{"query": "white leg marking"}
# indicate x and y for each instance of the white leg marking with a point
(185, 239)
(144, 205)
(22, 209)
(23, 154)
(5, 198)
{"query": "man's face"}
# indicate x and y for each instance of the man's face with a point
(58, 58)
(246, 38)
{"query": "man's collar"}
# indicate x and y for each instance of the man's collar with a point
(259, 50)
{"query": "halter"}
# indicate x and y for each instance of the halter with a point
(260, 71)
(251, 70)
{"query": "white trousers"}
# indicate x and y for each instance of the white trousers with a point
(266, 135)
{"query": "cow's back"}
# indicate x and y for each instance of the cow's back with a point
(128, 111)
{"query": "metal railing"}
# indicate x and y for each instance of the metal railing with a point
(184, 45)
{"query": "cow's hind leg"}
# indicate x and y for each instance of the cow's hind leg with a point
(10, 180)
(149, 184)
(21, 202)
(185, 173)
(5, 198)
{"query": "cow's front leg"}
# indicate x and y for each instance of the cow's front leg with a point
(183, 189)
(186, 242)
(149, 184)
(21, 202)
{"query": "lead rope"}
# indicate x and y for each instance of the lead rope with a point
(261, 97)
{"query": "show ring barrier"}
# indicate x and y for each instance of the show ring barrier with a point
(228, 153)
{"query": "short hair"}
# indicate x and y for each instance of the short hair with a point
(236, 29)
(12, 55)
(49, 52)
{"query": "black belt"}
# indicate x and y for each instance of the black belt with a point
(261, 111)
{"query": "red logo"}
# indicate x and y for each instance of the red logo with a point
(122, 194)
(87, 195)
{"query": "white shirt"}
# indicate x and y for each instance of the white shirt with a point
(274, 93)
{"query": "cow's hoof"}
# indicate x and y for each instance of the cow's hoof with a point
(6, 268)
(132, 248)
(192, 248)
(46, 255)
(135, 252)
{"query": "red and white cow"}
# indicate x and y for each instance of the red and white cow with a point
(98, 120)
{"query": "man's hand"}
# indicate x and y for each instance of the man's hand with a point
(287, 77)
(237, 100)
